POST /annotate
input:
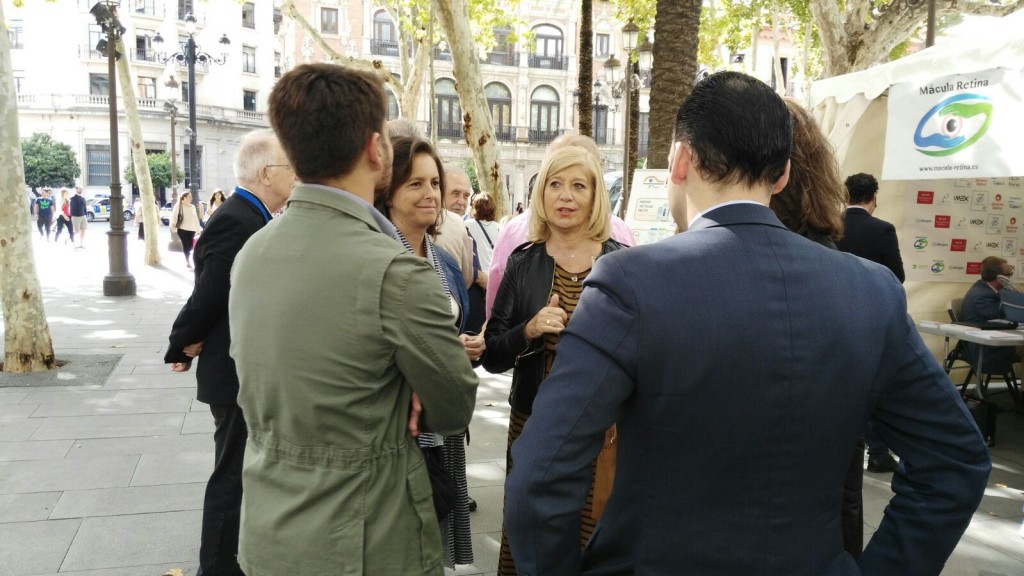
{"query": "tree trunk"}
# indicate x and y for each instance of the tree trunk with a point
(848, 47)
(476, 119)
(142, 176)
(675, 67)
(27, 343)
(585, 100)
(780, 82)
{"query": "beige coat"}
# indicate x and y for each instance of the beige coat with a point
(333, 326)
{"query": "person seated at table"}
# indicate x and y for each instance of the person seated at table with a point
(981, 304)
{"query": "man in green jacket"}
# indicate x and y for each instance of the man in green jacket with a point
(334, 327)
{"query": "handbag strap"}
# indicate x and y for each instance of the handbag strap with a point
(484, 230)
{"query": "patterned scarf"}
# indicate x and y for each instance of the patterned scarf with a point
(431, 257)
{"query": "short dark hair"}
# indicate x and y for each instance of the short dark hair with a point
(484, 207)
(991, 268)
(862, 188)
(405, 151)
(738, 128)
(324, 115)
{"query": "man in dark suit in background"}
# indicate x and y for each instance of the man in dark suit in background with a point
(265, 180)
(872, 239)
(741, 363)
(867, 236)
(982, 303)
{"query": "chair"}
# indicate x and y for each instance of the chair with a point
(960, 352)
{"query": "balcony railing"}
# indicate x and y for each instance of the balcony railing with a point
(543, 136)
(502, 58)
(88, 52)
(445, 55)
(144, 55)
(383, 47)
(549, 62)
(505, 133)
(100, 105)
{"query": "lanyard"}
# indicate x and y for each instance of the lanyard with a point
(248, 197)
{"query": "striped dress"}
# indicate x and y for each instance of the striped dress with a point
(568, 286)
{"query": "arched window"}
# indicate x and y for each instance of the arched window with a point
(548, 48)
(393, 111)
(499, 100)
(385, 37)
(544, 113)
(448, 111)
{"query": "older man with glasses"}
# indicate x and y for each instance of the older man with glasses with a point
(265, 181)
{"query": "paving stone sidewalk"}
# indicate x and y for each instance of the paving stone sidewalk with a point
(104, 475)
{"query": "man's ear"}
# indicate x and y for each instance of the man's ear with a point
(679, 162)
(375, 151)
(782, 181)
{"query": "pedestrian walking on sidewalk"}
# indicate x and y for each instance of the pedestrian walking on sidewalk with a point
(64, 217)
(78, 220)
(201, 330)
(185, 223)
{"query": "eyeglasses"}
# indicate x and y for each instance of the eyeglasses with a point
(288, 166)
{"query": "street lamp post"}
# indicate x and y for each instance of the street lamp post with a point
(117, 282)
(189, 56)
(625, 87)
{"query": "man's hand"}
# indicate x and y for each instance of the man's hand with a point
(181, 366)
(414, 416)
(193, 350)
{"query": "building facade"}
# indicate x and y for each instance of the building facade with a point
(62, 85)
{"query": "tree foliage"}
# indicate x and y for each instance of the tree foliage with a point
(49, 163)
(159, 170)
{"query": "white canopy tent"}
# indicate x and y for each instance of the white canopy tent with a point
(853, 111)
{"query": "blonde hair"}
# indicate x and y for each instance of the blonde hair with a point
(599, 222)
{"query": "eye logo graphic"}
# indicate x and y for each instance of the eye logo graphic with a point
(952, 114)
(921, 243)
(938, 267)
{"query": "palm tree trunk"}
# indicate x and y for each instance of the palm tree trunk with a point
(586, 76)
(675, 67)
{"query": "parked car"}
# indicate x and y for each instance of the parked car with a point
(99, 209)
(613, 182)
(165, 213)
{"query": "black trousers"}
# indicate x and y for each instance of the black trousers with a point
(853, 504)
(186, 237)
(62, 223)
(45, 223)
(222, 507)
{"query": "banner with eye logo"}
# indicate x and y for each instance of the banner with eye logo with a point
(958, 126)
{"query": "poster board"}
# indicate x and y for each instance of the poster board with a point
(648, 214)
(950, 226)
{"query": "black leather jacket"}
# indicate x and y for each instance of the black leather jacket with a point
(525, 289)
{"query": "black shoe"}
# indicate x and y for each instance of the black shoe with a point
(882, 464)
(472, 505)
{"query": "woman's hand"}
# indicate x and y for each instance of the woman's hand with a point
(550, 320)
(474, 345)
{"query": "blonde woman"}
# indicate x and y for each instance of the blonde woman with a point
(185, 223)
(570, 228)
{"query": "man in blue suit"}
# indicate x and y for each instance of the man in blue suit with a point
(741, 363)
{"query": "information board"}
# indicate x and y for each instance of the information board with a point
(648, 214)
(950, 226)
